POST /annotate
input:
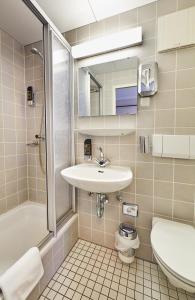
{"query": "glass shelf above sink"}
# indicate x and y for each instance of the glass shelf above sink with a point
(106, 131)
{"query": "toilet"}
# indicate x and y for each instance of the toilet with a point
(173, 247)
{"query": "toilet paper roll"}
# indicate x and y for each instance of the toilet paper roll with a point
(123, 244)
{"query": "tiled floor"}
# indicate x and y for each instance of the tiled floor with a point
(94, 272)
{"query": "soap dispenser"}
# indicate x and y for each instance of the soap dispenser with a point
(87, 149)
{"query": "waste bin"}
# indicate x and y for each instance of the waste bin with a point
(126, 242)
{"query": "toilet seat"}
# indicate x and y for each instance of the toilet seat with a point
(174, 248)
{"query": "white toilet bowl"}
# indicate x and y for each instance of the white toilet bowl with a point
(174, 249)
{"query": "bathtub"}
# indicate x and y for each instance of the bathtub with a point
(20, 229)
(26, 226)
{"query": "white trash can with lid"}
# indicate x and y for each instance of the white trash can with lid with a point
(126, 241)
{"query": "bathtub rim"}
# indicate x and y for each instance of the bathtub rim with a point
(51, 239)
(21, 205)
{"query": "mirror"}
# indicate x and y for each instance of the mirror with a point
(108, 89)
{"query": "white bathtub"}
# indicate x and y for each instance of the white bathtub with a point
(20, 229)
(26, 226)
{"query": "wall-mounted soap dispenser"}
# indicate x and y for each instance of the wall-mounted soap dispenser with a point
(147, 82)
(88, 149)
(30, 96)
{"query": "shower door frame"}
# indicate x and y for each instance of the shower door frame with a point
(48, 29)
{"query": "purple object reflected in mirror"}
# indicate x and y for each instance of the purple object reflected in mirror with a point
(126, 100)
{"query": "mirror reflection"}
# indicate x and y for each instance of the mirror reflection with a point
(108, 89)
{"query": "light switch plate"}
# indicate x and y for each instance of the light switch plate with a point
(130, 209)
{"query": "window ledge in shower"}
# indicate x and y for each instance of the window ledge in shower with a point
(106, 131)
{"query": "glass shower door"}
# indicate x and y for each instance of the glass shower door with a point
(60, 119)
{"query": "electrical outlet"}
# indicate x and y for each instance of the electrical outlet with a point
(130, 209)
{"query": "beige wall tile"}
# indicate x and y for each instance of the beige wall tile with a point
(71, 36)
(85, 233)
(12, 202)
(148, 50)
(184, 174)
(2, 205)
(82, 34)
(185, 117)
(163, 172)
(145, 203)
(85, 219)
(164, 100)
(85, 206)
(144, 170)
(167, 81)
(144, 235)
(111, 226)
(144, 252)
(144, 219)
(185, 58)
(112, 24)
(185, 79)
(98, 237)
(165, 7)
(111, 212)
(109, 240)
(144, 187)
(184, 192)
(163, 207)
(182, 4)
(97, 224)
(128, 139)
(164, 118)
(166, 61)
(147, 12)
(127, 152)
(128, 19)
(149, 29)
(112, 152)
(97, 29)
(163, 189)
(185, 98)
(145, 119)
(183, 211)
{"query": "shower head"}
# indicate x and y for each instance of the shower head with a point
(36, 51)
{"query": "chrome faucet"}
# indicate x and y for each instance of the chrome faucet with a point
(101, 161)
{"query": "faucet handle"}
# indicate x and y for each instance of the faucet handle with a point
(101, 152)
(102, 163)
(106, 163)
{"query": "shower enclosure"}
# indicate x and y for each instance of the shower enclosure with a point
(36, 130)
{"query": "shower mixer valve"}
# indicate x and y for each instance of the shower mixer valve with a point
(39, 137)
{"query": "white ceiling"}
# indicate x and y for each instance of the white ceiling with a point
(70, 14)
(18, 21)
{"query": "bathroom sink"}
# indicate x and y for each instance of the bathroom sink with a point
(92, 178)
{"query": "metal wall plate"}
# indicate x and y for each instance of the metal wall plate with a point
(130, 209)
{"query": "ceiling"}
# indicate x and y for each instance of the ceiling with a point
(71, 14)
(19, 22)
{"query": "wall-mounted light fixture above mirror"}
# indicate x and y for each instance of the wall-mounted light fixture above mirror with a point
(108, 88)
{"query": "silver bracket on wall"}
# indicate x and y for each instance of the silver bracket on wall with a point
(145, 144)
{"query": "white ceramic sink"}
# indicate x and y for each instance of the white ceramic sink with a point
(90, 177)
